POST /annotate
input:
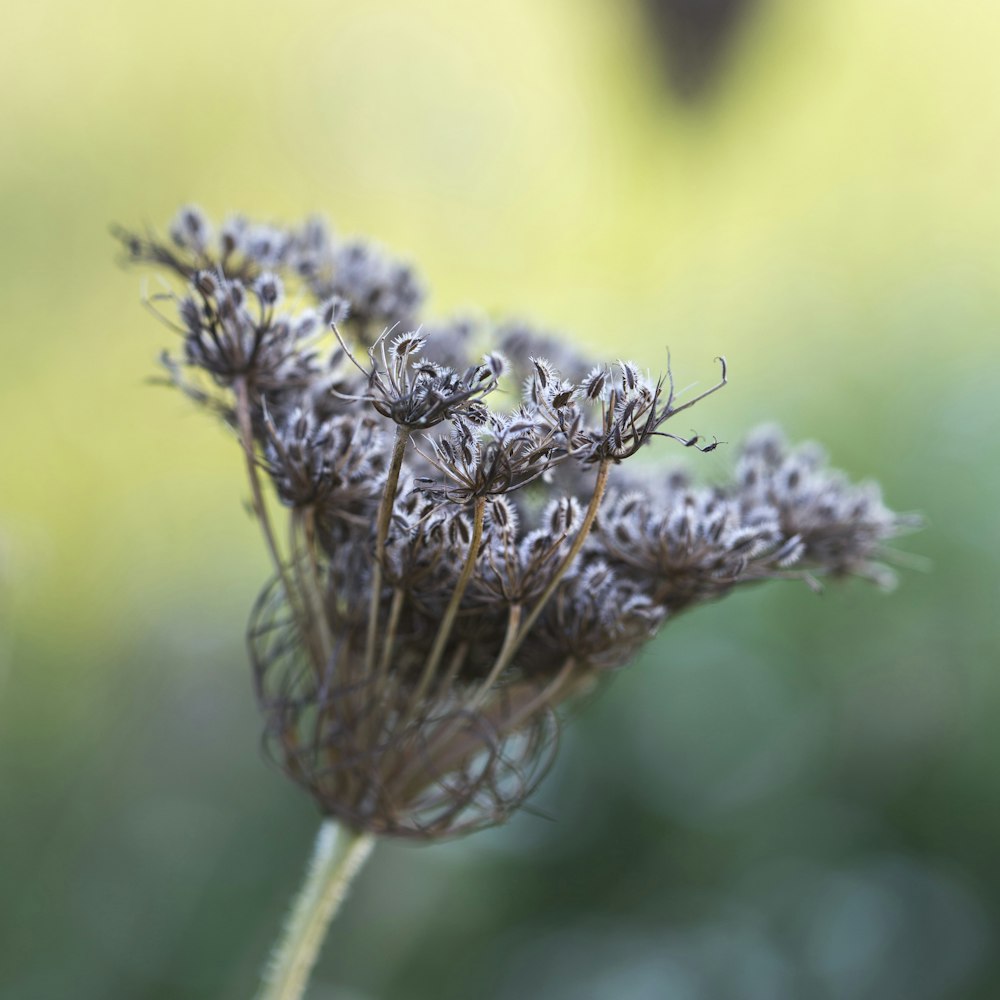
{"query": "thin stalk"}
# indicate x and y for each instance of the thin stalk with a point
(337, 857)
(544, 697)
(451, 612)
(444, 754)
(381, 533)
(257, 492)
(510, 648)
(305, 572)
(395, 610)
(475, 700)
(509, 639)
(433, 660)
(457, 659)
(516, 631)
(316, 588)
(374, 721)
(418, 763)
(581, 536)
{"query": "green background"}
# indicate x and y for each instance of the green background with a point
(789, 796)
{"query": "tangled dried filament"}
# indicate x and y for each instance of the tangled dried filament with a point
(458, 544)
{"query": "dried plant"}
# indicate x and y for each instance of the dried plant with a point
(461, 540)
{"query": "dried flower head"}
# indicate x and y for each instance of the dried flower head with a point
(451, 571)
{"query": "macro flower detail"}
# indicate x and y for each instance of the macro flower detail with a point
(461, 535)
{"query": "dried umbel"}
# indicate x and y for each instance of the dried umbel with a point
(461, 537)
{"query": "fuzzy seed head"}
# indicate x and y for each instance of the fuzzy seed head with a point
(453, 558)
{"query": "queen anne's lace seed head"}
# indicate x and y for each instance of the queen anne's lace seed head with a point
(190, 230)
(453, 569)
(417, 393)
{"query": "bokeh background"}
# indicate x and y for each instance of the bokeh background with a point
(789, 797)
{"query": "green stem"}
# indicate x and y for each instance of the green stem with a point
(337, 857)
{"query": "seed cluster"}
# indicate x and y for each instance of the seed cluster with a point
(461, 541)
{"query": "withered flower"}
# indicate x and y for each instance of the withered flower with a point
(466, 545)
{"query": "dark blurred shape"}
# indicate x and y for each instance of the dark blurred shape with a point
(693, 38)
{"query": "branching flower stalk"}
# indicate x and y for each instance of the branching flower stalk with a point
(469, 542)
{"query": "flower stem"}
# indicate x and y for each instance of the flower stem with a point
(451, 612)
(381, 534)
(337, 857)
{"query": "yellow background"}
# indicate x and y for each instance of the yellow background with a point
(829, 219)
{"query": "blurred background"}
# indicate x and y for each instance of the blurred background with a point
(789, 796)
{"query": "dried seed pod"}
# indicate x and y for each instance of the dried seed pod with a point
(445, 573)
